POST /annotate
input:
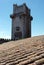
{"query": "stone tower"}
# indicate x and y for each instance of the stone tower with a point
(21, 22)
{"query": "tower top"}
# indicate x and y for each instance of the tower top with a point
(19, 10)
(24, 4)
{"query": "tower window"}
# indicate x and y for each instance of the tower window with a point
(17, 28)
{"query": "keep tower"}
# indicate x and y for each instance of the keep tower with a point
(21, 22)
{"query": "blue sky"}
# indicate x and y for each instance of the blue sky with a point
(37, 11)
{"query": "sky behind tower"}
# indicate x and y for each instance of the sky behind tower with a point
(37, 11)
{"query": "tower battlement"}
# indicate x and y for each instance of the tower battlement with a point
(20, 9)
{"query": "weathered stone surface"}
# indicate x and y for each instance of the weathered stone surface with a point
(28, 51)
(21, 22)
